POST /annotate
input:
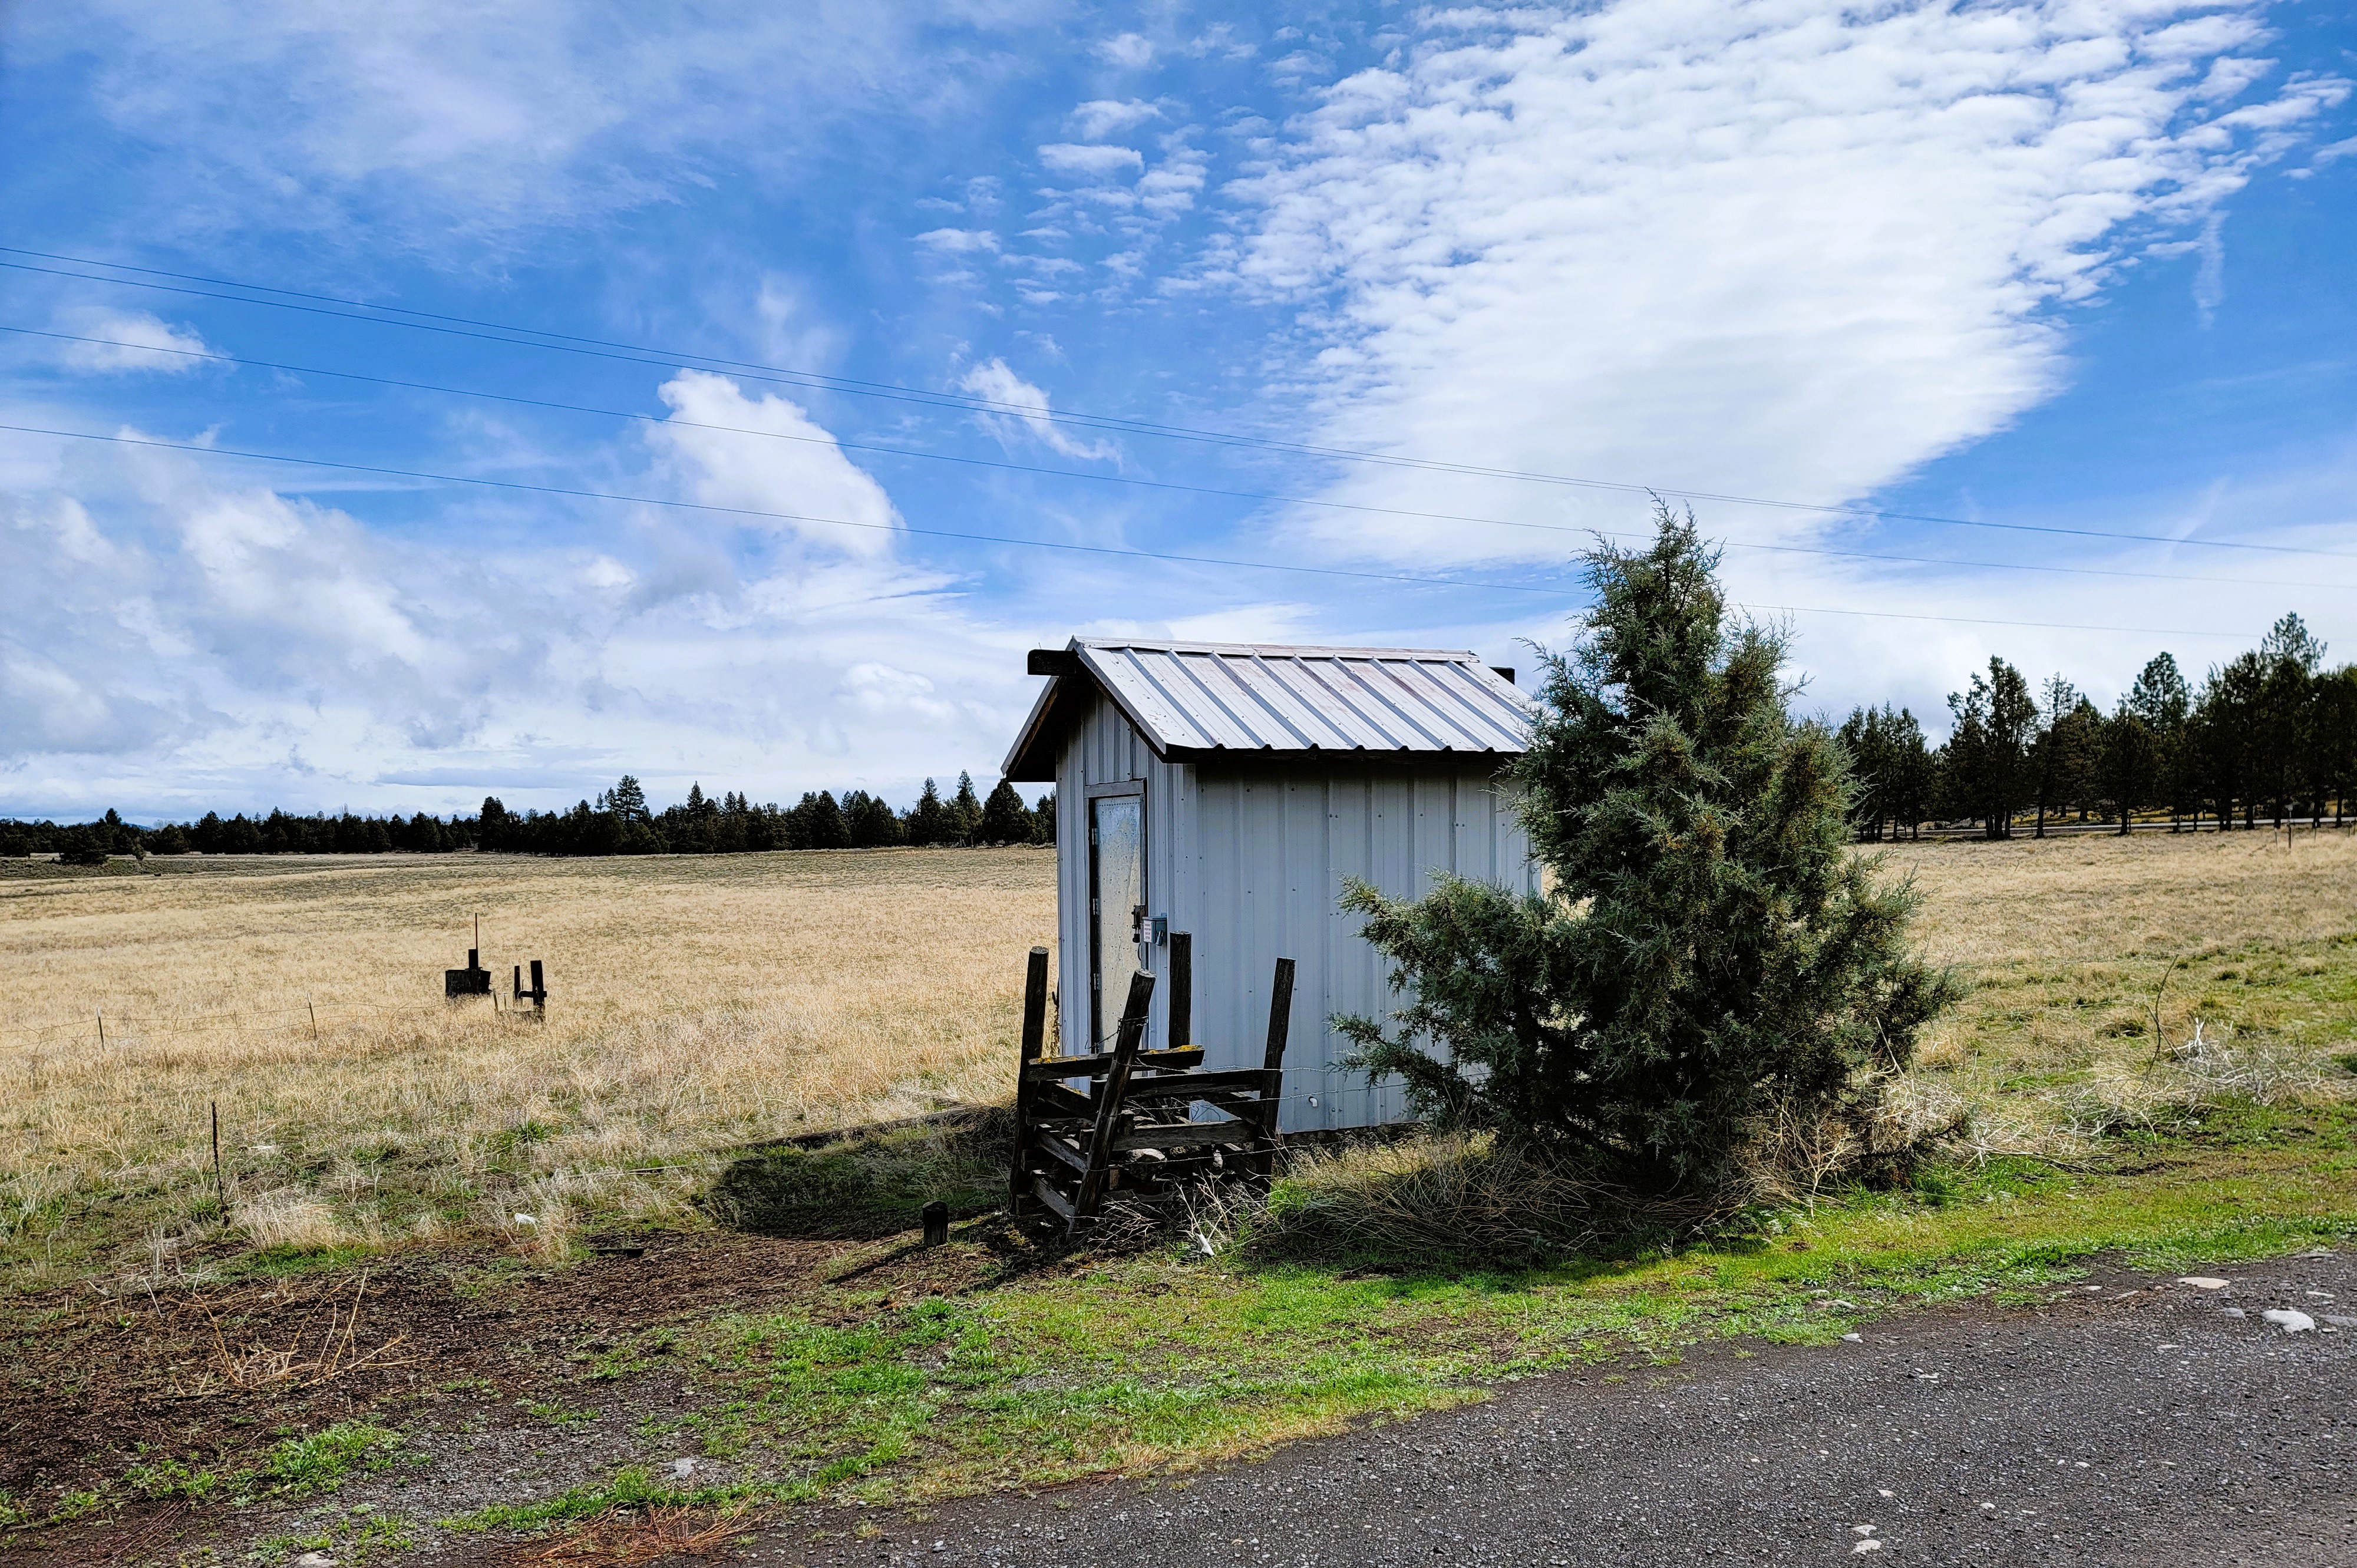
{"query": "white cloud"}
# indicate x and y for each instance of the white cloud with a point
(1029, 408)
(1091, 160)
(1742, 248)
(959, 241)
(1126, 51)
(129, 340)
(448, 127)
(1099, 118)
(182, 639)
(805, 473)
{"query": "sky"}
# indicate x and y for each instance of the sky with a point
(411, 403)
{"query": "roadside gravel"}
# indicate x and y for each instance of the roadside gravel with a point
(2137, 1421)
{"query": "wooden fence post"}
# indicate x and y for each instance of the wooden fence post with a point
(1035, 1034)
(1280, 1024)
(1115, 1087)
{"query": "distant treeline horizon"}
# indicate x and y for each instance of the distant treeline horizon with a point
(2272, 732)
(618, 821)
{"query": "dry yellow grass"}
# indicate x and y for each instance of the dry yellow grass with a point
(696, 1003)
(703, 1003)
(2068, 942)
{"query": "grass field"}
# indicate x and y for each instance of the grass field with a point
(696, 1003)
(702, 1005)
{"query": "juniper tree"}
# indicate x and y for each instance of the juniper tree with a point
(1710, 946)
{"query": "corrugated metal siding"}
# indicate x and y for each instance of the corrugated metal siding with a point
(1261, 700)
(1251, 859)
(1270, 856)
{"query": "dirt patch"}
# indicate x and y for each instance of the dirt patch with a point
(170, 1384)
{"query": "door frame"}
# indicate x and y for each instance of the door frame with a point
(1096, 925)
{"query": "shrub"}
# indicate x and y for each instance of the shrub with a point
(1710, 954)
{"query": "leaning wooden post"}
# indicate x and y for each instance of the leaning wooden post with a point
(1272, 1062)
(1035, 1037)
(1182, 990)
(1094, 1180)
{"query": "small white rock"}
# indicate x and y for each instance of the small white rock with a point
(2231, 1312)
(526, 1219)
(1883, 1492)
(1861, 1530)
(1855, 1338)
(315, 1560)
(682, 1468)
(2293, 1321)
(2201, 1282)
(1863, 1547)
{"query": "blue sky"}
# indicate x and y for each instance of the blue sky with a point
(2074, 266)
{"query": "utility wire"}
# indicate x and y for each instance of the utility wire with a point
(596, 348)
(1124, 550)
(675, 422)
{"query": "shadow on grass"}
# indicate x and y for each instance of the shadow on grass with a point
(867, 1183)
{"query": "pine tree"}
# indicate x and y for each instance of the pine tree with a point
(1043, 819)
(1710, 947)
(929, 820)
(965, 811)
(2161, 702)
(1988, 751)
(1004, 818)
(629, 801)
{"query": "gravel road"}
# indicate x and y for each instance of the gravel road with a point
(2143, 1421)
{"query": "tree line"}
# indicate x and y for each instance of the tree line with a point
(618, 822)
(2271, 733)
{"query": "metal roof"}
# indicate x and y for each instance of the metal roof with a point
(1204, 700)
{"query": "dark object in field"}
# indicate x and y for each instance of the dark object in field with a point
(537, 995)
(1133, 1131)
(472, 980)
(620, 1251)
(936, 1216)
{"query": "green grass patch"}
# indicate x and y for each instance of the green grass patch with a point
(324, 1460)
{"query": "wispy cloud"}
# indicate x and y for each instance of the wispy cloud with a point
(1026, 407)
(1738, 249)
(1099, 118)
(130, 341)
(1094, 160)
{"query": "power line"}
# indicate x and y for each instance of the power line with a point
(596, 348)
(1037, 543)
(676, 423)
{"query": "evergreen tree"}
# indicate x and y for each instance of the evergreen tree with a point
(2131, 761)
(965, 811)
(2161, 702)
(929, 820)
(1004, 818)
(825, 829)
(1989, 751)
(1043, 819)
(2067, 755)
(872, 824)
(629, 801)
(1710, 949)
(2225, 724)
(2289, 657)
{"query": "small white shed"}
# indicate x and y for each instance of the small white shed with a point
(1226, 790)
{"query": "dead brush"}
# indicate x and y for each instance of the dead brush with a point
(1446, 1195)
(299, 1362)
(656, 1535)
